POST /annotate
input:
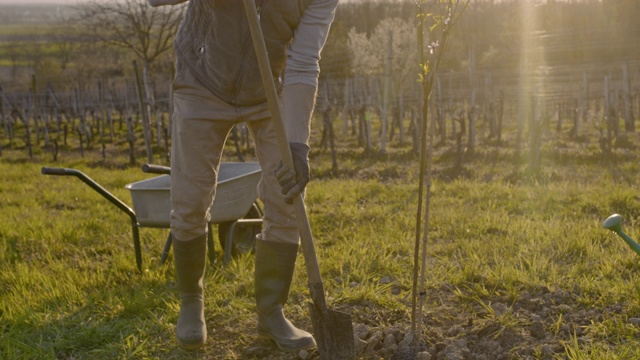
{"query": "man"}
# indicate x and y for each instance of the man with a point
(217, 85)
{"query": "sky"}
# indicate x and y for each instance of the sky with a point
(5, 2)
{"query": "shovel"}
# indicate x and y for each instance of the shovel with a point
(332, 329)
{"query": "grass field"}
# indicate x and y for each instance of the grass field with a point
(519, 266)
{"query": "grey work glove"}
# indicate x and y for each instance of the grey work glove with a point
(293, 181)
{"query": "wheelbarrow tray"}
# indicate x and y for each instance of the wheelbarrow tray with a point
(236, 192)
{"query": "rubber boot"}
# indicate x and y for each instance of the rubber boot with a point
(189, 258)
(275, 263)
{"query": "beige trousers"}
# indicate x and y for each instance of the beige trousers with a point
(201, 124)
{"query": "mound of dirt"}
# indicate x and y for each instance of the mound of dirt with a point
(527, 328)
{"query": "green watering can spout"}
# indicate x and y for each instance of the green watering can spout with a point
(614, 223)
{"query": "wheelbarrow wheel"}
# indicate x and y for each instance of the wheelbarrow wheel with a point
(244, 235)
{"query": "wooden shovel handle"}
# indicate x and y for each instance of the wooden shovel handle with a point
(311, 261)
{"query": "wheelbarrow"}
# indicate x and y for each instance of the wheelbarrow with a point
(235, 209)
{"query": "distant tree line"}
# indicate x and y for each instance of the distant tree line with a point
(571, 66)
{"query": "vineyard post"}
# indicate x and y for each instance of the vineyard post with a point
(615, 99)
(345, 112)
(328, 124)
(131, 136)
(149, 99)
(450, 95)
(170, 101)
(50, 96)
(64, 126)
(500, 114)
(583, 106)
(110, 119)
(102, 118)
(8, 117)
(110, 109)
(127, 95)
(45, 131)
(521, 108)
(385, 101)
(236, 141)
(34, 105)
(58, 115)
(637, 107)
(165, 138)
(362, 108)
(473, 111)
(439, 111)
(535, 132)
(628, 113)
(159, 119)
(393, 113)
(489, 104)
(25, 120)
(145, 119)
(87, 117)
(367, 125)
(246, 136)
(378, 107)
(401, 110)
(559, 113)
(119, 107)
(353, 91)
(80, 138)
(5, 120)
(76, 111)
(607, 113)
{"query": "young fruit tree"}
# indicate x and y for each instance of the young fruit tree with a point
(436, 19)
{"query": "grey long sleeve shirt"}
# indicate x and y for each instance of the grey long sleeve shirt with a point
(310, 36)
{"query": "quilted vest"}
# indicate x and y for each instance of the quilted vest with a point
(219, 50)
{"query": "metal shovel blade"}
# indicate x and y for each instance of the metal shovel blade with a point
(333, 332)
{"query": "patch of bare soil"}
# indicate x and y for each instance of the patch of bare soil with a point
(534, 326)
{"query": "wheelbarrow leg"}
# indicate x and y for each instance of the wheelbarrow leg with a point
(229, 243)
(136, 245)
(167, 247)
(165, 251)
(210, 245)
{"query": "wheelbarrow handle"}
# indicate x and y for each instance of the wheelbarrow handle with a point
(57, 171)
(156, 169)
(94, 185)
(107, 195)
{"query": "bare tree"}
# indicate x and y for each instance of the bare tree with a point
(146, 31)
